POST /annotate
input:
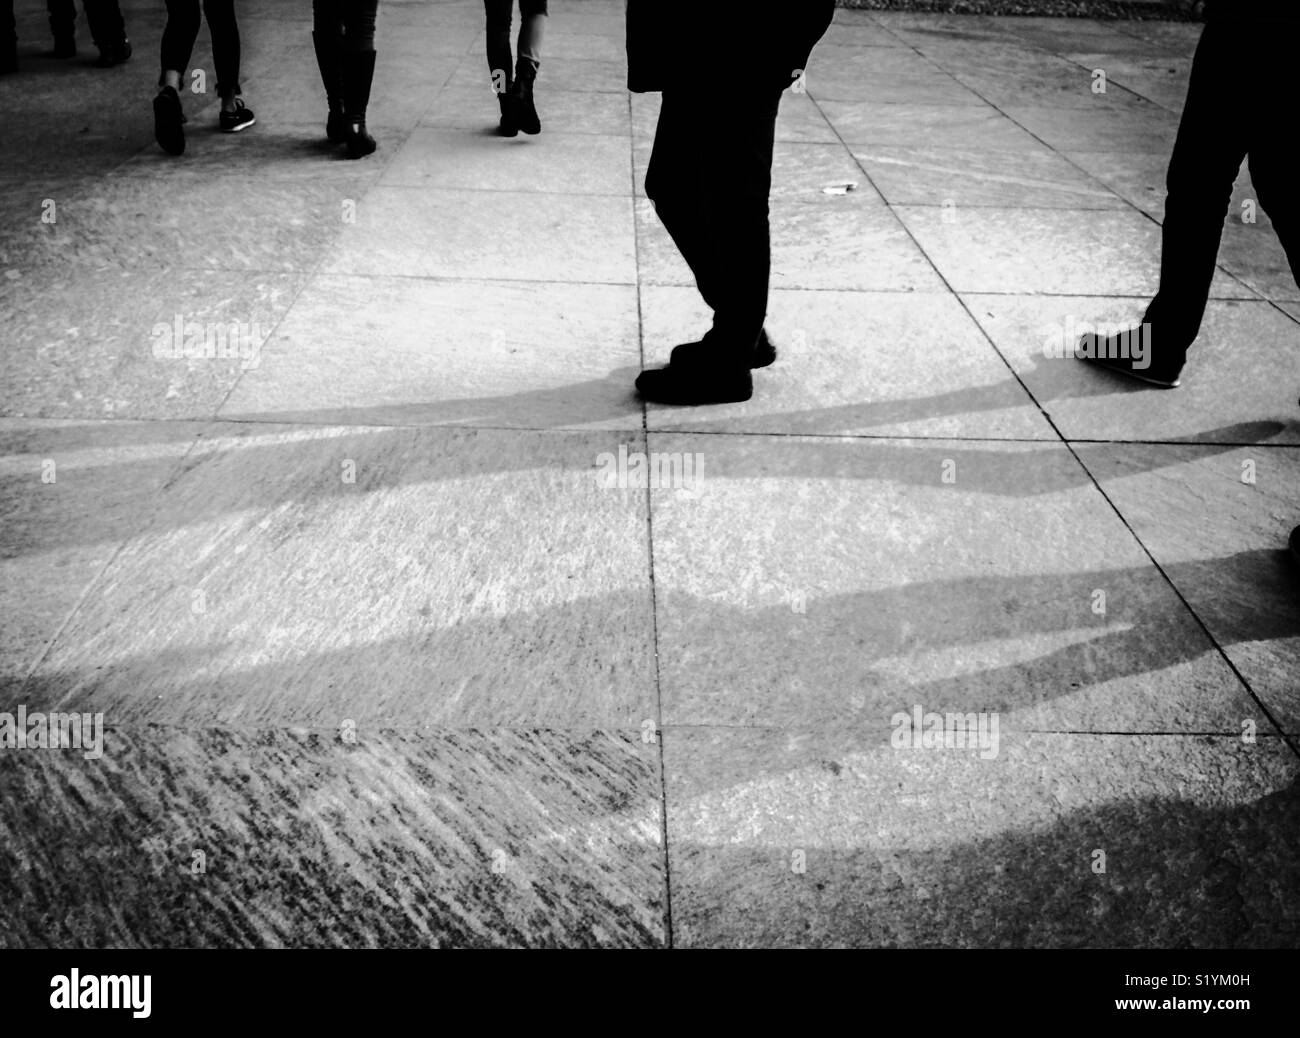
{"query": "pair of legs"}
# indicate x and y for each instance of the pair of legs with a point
(1241, 105)
(107, 27)
(179, 35)
(182, 30)
(513, 79)
(343, 32)
(710, 178)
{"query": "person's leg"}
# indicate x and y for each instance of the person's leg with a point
(108, 29)
(179, 33)
(674, 183)
(532, 30)
(710, 179)
(63, 27)
(500, 61)
(327, 39)
(1208, 154)
(358, 73)
(737, 186)
(1273, 167)
(226, 55)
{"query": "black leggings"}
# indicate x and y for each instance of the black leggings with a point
(182, 30)
(1241, 103)
(500, 61)
(104, 17)
(710, 176)
(350, 23)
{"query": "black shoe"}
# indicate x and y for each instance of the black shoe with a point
(694, 353)
(1295, 544)
(114, 55)
(241, 118)
(169, 121)
(1112, 353)
(8, 58)
(525, 109)
(329, 62)
(509, 125)
(695, 385)
(358, 74)
(64, 47)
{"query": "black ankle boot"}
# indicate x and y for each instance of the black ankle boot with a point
(509, 125)
(331, 75)
(697, 352)
(358, 74)
(64, 47)
(525, 109)
(8, 57)
(114, 54)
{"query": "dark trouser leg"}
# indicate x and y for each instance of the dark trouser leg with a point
(532, 30)
(1211, 145)
(8, 27)
(327, 36)
(359, 25)
(107, 27)
(1273, 170)
(225, 45)
(710, 178)
(1273, 167)
(500, 61)
(738, 184)
(675, 184)
(179, 34)
(63, 18)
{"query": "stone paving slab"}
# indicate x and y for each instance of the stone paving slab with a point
(495, 354)
(66, 513)
(221, 838)
(860, 583)
(1250, 347)
(826, 839)
(457, 233)
(1046, 251)
(363, 573)
(1215, 521)
(104, 343)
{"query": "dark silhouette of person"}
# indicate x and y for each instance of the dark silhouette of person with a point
(722, 69)
(515, 89)
(179, 35)
(343, 32)
(107, 29)
(1241, 103)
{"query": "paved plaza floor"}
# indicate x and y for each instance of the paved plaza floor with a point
(383, 658)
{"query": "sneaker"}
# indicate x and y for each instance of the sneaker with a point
(1109, 353)
(114, 55)
(689, 353)
(695, 385)
(169, 121)
(240, 119)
